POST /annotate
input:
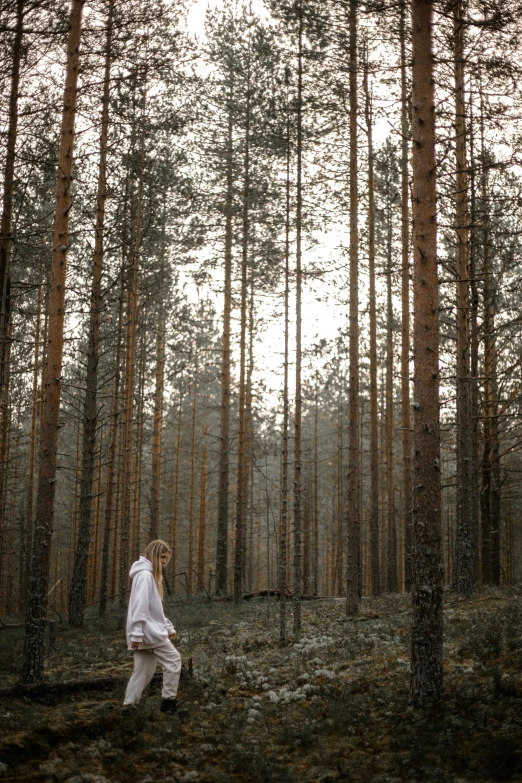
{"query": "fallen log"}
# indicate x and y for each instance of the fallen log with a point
(88, 684)
(58, 688)
(277, 594)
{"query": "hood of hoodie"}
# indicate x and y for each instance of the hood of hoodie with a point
(140, 565)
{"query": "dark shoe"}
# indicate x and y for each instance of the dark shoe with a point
(169, 705)
(128, 709)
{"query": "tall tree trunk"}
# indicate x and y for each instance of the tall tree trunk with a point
(374, 424)
(155, 489)
(190, 563)
(316, 500)
(111, 467)
(407, 474)
(283, 529)
(298, 579)
(463, 561)
(94, 569)
(241, 438)
(495, 506)
(138, 448)
(474, 357)
(33, 657)
(488, 402)
(6, 238)
(426, 684)
(173, 527)
(392, 576)
(306, 527)
(339, 573)
(224, 421)
(352, 502)
(33, 436)
(130, 366)
(249, 428)
(78, 589)
(202, 527)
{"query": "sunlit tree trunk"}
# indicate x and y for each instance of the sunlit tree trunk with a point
(33, 657)
(426, 683)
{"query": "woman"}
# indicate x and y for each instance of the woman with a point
(149, 632)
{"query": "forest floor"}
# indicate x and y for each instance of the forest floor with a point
(332, 707)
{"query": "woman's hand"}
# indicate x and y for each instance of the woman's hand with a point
(135, 645)
(172, 636)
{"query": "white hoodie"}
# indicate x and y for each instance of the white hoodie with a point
(146, 622)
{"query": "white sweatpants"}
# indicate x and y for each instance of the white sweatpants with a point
(145, 666)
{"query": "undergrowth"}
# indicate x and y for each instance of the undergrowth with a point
(332, 706)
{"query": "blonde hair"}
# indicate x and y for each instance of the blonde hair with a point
(153, 552)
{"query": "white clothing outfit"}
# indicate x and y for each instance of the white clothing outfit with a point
(147, 624)
(145, 666)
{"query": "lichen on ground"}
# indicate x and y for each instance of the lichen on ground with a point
(330, 706)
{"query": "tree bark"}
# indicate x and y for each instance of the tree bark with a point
(474, 358)
(190, 564)
(155, 489)
(130, 367)
(283, 526)
(138, 447)
(407, 476)
(202, 526)
(78, 589)
(489, 361)
(6, 238)
(392, 576)
(352, 501)
(33, 657)
(463, 561)
(173, 527)
(426, 683)
(374, 423)
(241, 438)
(224, 421)
(33, 436)
(111, 467)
